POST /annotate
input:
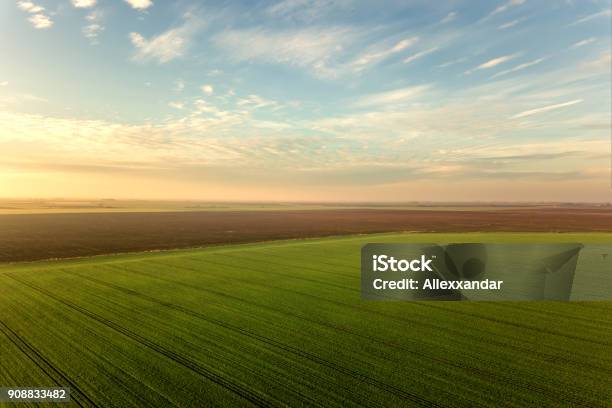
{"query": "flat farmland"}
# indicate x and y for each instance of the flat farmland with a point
(28, 237)
(282, 324)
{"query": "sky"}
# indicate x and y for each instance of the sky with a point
(297, 100)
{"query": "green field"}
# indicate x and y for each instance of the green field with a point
(283, 323)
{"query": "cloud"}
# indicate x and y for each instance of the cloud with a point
(168, 45)
(604, 13)
(374, 57)
(392, 97)
(492, 63)
(217, 137)
(94, 16)
(94, 140)
(4, 83)
(163, 48)
(495, 62)
(305, 10)
(84, 3)
(309, 48)
(452, 62)
(30, 7)
(419, 55)
(519, 67)
(545, 109)
(207, 89)
(600, 64)
(40, 21)
(510, 24)
(367, 147)
(91, 31)
(256, 102)
(554, 149)
(506, 6)
(529, 156)
(449, 17)
(94, 26)
(584, 42)
(140, 4)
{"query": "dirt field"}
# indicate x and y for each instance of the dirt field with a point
(29, 237)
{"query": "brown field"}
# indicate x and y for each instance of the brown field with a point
(28, 237)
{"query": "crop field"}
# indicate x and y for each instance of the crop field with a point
(28, 237)
(282, 323)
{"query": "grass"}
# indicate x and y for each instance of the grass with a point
(282, 323)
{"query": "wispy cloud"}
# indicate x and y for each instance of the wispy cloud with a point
(603, 13)
(140, 4)
(496, 61)
(94, 26)
(381, 54)
(510, 24)
(392, 97)
(4, 83)
(256, 102)
(519, 67)
(84, 3)
(601, 64)
(311, 48)
(164, 47)
(305, 10)
(419, 55)
(545, 109)
(449, 17)
(584, 42)
(452, 62)
(492, 63)
(506, 6)
(168, 45)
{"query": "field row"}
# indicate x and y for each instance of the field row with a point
(283, 324)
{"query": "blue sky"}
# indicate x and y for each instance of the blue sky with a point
(306, 100)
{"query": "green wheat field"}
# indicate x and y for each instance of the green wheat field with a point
(283, 324)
